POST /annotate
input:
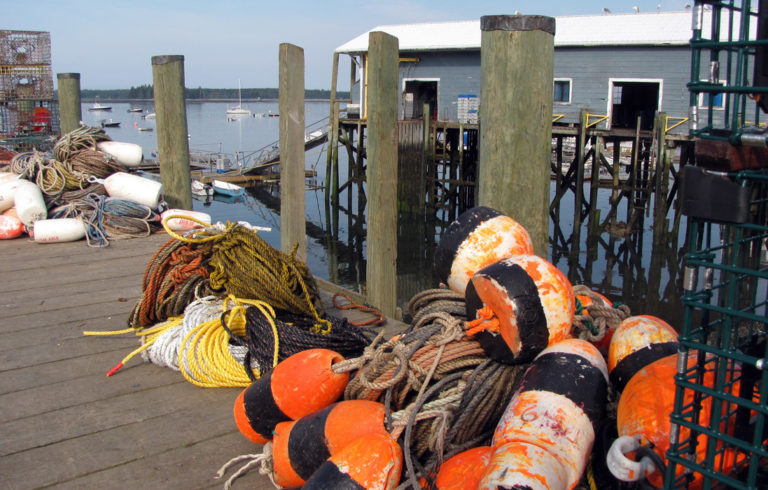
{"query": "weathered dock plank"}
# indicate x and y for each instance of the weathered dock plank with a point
(66, 424)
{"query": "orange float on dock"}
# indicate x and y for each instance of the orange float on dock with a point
(528, 304)
(299, 385)
(545, 437)
(302, 446)
(479, 237)
(464, 471)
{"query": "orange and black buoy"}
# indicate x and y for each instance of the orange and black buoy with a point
(546, 434)
(370, 462)
(464, 471)
(299, 385)
(518, 306)
(301, 446)
(642, 420)
(479, 237)
(637, 342)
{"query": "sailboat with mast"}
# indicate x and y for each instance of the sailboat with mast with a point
(238, 109)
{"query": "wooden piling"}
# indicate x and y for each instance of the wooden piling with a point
(332, 155)
(172, 142)
(381, 270)
(517, 59)
(70, 111)
(293, 226)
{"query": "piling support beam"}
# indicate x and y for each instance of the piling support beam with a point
(70, 111)
(172, 142)
(293, 225)
(381, 270)
(517, 59)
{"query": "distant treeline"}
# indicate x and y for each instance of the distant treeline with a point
(147, 92)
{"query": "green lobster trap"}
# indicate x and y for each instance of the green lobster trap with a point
(729, 84)
(719, 436)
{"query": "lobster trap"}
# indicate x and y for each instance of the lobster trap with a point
(719, 436)
(729, 83)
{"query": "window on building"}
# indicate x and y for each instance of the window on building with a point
(715, 100)
(562, 91)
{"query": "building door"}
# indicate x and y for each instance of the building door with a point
(416, 93)
(631, 99)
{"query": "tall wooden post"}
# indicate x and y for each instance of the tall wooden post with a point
(381, 270)
(172, 142)
(293, 226)
(70, 111)
(517, 59)
(333, 129)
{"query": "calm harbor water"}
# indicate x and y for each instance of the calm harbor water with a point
(626, 267)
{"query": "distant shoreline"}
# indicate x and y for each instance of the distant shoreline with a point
(91, 100)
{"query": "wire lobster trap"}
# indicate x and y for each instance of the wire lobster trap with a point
(719, 436)
(729, 83)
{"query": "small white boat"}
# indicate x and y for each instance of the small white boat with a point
(146, 129)
(200, 189)
(135, 109)
(151, 115)
(99, 107)
(227, 188)
(238, 109)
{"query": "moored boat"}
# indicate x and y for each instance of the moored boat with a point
(227, 188)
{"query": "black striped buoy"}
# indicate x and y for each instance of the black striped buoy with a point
(372, 461)
(546, 434)
(299, 385)
(301, 446)
(479, 237)
(530, 302)
(637, 342)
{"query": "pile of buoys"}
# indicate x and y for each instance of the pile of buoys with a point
(81, 190)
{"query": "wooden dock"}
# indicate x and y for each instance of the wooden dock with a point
(63, 422)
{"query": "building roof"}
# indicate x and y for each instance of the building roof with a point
(656, 28)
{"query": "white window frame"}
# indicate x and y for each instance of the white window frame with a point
(570, 91)
(613, 81)
(703, 99)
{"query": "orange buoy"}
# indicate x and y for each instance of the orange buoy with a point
(371, 462)
(299, 385)
(546, 434)
(643, 415)
(637, 342)
(479, 237)
(531, 305)
(10, 227)
(464, 471)
(301, 446)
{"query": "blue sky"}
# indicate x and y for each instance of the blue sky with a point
(111, 43)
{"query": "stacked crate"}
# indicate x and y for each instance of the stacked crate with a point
(28, 111)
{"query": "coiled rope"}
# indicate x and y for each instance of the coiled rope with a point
(271, 339)
(441, 392)
(175, 272)
(591, 323)
(242, 264)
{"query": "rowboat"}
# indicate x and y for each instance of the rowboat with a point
(227, 188)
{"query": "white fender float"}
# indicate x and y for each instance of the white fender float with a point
(58, 230)
(10, 227)
(7, 176)
(29, 203)
(134, 188)
(128, 154)
(179, 219)
(544, 439)
(8, 193)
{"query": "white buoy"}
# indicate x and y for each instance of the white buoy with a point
(179, 219)
(8, 193)
(58, 230)
(128, 154)
(29, 203)
(134, 188)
